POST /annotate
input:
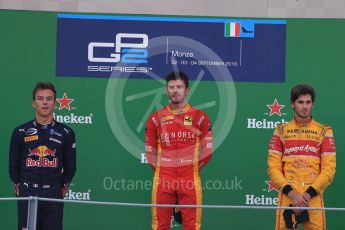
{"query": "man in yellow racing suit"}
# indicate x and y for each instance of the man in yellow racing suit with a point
(302, 160)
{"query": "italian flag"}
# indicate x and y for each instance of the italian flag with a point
(232, 29)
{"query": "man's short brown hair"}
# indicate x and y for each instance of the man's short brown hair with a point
(299, 90)
(178, 76)
(43, 85)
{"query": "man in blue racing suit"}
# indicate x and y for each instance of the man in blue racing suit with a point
(42, 160)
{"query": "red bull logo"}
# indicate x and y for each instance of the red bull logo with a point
(42, 162)
(42, 151)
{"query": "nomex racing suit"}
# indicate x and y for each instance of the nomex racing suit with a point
(42, 159)
(302, 157)
(178, 145)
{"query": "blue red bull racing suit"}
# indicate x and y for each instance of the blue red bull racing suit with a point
(42, 160)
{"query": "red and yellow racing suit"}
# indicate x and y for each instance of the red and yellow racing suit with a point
(302, 157)
(178, 144)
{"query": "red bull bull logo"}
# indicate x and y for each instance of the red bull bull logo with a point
(42, 152)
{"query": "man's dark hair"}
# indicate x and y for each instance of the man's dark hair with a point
(43, 85)
(299, 90)
(177, 76)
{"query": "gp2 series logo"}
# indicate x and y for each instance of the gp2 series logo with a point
(129, 48)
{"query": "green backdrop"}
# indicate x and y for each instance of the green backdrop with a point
(107, 172)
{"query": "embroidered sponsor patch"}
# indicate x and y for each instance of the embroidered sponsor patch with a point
(55, 140)
(187, 120)
(166, 118)
(31, 138)
(31, 131)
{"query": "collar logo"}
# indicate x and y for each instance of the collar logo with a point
(64, 102)
(275, 108)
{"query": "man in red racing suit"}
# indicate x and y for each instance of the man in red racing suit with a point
(178, 141)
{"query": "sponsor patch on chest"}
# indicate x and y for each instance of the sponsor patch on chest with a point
(31, 138)
(187, 120)
(55, 140)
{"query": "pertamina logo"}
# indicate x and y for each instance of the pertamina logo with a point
(64, 103)
(129, 48)
(275, 109)
(265, 198)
